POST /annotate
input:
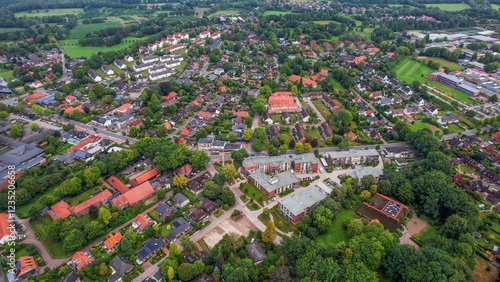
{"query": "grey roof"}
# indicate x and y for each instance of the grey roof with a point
(21, 154)
(179, 226)
(158, 276)
(449, 77)
(162, 208)
(71, 277)
(207, 140)
(299, 202)
(179, 198)
(468, 88)
(125, 118)
(353, 153)
(149, 247)
(278, 160)
(255, 252)
(361, 171)
(275, 182)
(121, 265)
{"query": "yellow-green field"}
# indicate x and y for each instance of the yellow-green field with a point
(325, 22)
(276, 13)
(83, 29)
(78, 51)
(442, 63)
(450, 7)
(10, 29)
(495, 6)
(46, 13)
(225, 13)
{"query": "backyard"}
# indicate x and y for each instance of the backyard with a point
(54, 248)
(337, 232)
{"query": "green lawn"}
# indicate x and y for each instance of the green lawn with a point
(253, 206)
(429, 233)
(23, 211)
(78, 51)
(418, 125)
(443, 63)
(335, 84)
(337, 232)
(281, 223)
(83, 29)
(495, 6)
(409, 70)
(46, 13)
(6, 74)
(225, 13)
(325, 22)
(10, 29)
(83, 197)
(253, 192)
(321, 108)
(314, 134)
(54, 248)
(277, 13)
(450, 7)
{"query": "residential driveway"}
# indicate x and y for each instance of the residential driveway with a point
(320, 116)
(31, 239)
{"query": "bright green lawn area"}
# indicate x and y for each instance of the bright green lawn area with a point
(6, 74)
(22, 252)
(335, 84)
(429, 233)
(409, 70)
(253, 206)
(443, 63)
(164, 230)
(225, 13)
(495, 6)
(325, 22)
(83, 29)
(83, 197)
(418, 125)
(314, 134)
(23, 212)
(277, 13)
(281, 223)
(54, 248)
(253, 192)
(450, 7)
(46, 13)
(337, 232)
(10, 29)
(366, 33)
(78, 51)
(321, 108)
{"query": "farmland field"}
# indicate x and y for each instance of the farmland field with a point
(83, 29)
(46, 13)
(10, 29)
(443, 63)
(450, 7)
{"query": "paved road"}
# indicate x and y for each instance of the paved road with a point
(318, 113)
(31, 239)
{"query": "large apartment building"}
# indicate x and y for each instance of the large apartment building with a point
(299, 163)
(294, 206)
(353, 157)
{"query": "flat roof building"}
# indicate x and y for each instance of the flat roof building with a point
(299, 163)
(271, 185)
(294, 206)
(353, 157)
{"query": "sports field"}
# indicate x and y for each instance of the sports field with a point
(46, 13)
(409, 70)
(450, 7)
(452, 66)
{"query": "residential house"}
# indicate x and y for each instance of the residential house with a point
(180, 226)
(164, 211)
(119, 64)
(4, 228)
(180, 200)
(327, 131)
(209, 206)
(136, 195)
(431, 109)
(301, 132)
(185, 170)
(396, 152)
(385, 101)
(94, 76)
(255, 252)
(24, 265)
(141, 222)
(445, 120)
(304, 115)
(195, 185)
(205, 143)
(281, 102)
(198, 216)
(144, 177)
(149, 248)
(112, 241)
(124, 109)
(70, 99)
(120, 265)
(80, 260)
(124, 121)
(268, 119)
(107, 70)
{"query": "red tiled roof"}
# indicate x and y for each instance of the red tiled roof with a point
(113, 240)
(98, 198)
(145, 222)
(359, 59)
(241, 114)
(124, 107)
(184, 131)
(34, 96)
(117, 184)
(80, 259)
(135, 195)
(24, 265)
(70, 110)
(294, 78)
(144, 177)
(205, 115)
(59, 210)
(4, 225)
(167, 125)
(184, 169)
(91, 139)
(170, 96)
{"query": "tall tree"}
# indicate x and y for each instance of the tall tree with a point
(270, 233)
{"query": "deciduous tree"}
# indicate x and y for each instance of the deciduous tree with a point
(180, 181)
(270, 233)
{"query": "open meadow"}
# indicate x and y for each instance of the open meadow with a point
(51, 12)
(452, 7)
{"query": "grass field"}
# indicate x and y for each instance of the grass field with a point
(277, 13)
(225, 13)
(54, 248)
(337, 232)
(484, 271)
(495, 6)
(6, 74)
(10, 29)
(325, 22)
(443, 63)
(78, 51)
(253, 192)
(409, 70)
(83, 29)
(83, 197)
(450, 7)
(46, 13)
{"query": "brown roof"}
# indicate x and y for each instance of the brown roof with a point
(144, 177)
(117, 184)
(98, 198)
(184, 169)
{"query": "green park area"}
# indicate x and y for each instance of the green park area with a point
(452, 66)
(81, 30)
(450, 7)
(277, 13)
(337, 232)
